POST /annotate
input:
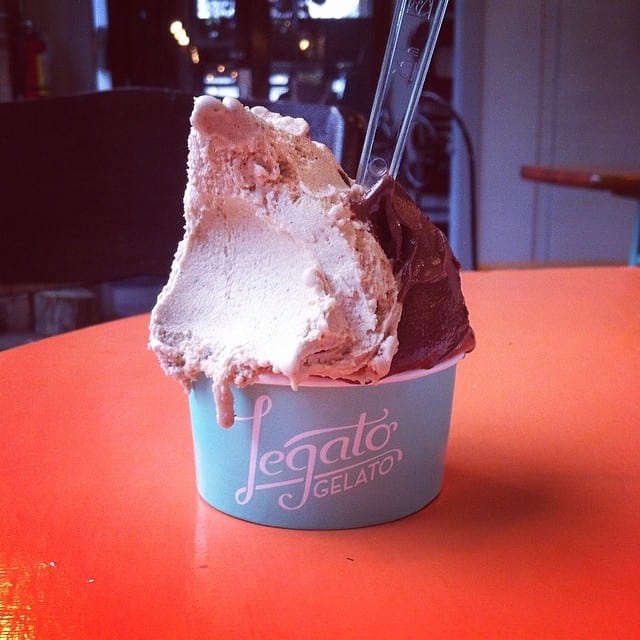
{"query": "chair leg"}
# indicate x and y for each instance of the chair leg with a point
(634, 255)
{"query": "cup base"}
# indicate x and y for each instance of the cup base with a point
(336, 457)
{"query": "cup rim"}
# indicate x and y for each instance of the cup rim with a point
(277, 379)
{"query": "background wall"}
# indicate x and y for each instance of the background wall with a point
(67, 26)
(550, 82)
(537, 81)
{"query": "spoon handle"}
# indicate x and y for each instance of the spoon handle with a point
(412, 40)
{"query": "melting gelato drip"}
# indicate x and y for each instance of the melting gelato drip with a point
(288, 267)
(435, 322)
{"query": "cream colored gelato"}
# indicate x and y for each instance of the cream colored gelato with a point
(275, 273)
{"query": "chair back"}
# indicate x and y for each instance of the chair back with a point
(91, 185)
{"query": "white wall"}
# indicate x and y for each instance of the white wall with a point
(554, 82)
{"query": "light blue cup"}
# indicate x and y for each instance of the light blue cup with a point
(331, 455)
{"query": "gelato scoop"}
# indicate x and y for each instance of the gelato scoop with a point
(288, 267)
(434, 324)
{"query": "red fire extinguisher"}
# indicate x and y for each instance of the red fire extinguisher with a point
(36, 76)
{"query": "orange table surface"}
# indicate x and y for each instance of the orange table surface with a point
(536, 533)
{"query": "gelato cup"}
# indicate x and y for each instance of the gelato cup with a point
(331, 455)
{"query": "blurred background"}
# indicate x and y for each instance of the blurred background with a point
(532, 82)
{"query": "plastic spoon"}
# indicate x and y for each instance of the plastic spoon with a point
(412, 40)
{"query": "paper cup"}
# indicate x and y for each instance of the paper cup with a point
(331, 455)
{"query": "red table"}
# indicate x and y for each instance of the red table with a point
(620, 181)
(536, 532)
